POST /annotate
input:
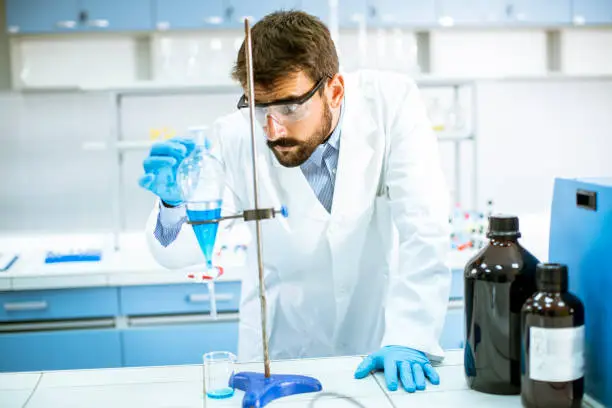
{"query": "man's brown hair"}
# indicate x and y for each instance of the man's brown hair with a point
(287, 42)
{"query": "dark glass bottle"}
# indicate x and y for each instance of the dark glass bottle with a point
(553, 343)
(498, 281)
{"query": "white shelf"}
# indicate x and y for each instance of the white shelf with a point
(425, 81)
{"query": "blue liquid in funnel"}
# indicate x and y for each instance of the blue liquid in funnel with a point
(205, 233)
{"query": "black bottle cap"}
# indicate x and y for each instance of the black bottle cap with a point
(552, 277)
(501, 225)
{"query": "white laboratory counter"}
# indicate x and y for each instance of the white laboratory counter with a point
(132, 264)
(181, 387)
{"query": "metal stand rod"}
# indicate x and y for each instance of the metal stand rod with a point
(251, 99)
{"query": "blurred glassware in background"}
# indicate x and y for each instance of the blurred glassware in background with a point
(437, 114)
(389, 49)
(468, 228)
(193, 59)
(455, 117)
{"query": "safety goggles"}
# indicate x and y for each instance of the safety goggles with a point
(283, 111)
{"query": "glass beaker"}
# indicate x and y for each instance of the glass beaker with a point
(437, 115)
(218, 370)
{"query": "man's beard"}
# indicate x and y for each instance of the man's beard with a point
(301, 151)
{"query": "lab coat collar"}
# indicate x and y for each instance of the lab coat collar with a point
(356, 149)
(352, 186)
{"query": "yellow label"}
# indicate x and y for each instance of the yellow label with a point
(161, 133)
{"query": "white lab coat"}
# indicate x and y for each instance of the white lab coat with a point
(332, 285)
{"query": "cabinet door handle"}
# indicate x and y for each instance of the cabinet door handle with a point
(66, 24)
(373, 12)
(213, 20)
(25, 306)
(100, 23)
(205, 297)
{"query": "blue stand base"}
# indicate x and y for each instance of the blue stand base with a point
(259, 390)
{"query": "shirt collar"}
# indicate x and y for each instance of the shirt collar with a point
(316, 158)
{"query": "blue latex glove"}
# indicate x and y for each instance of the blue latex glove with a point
(412, 365)
(160, 169)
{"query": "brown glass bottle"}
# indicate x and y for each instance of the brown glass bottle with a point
(553, 343)
(498, 281)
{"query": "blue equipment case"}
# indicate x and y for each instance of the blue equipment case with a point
(581, 237)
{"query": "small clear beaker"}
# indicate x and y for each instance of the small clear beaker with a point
(218, 370)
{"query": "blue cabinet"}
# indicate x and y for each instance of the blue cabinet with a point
(393, 13)
(453, 332)
(177, 343)
(456, 291)
(44, 332)
(592, 12)
(540, 12)
(191, 14)
(319, 8)
(45, 16)
(471, 12)
(239, 9)
(60, 350)
(41, 16)
(56, 304)
(504, 12)
(131, 15)
(178, 299)
(350, 13)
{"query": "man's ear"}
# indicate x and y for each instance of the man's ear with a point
(335, 91)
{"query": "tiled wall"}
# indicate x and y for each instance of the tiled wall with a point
(587, 51)
(48, 182)
(195, 57)
(64, 61)
(494, 53)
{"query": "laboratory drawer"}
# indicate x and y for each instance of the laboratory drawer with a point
(452, 334)
(456, 291)
(58, 304)
(177, 299)
(177, 344)
(60, 350)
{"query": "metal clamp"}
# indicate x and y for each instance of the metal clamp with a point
(247, 215)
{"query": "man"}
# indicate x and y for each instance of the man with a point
(354, 159)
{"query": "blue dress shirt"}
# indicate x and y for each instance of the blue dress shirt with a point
(319, 170)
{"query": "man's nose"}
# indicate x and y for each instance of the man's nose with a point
(273, 129)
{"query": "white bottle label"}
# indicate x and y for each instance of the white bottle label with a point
(556, 355)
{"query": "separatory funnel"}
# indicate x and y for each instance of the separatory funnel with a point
(202, 182)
